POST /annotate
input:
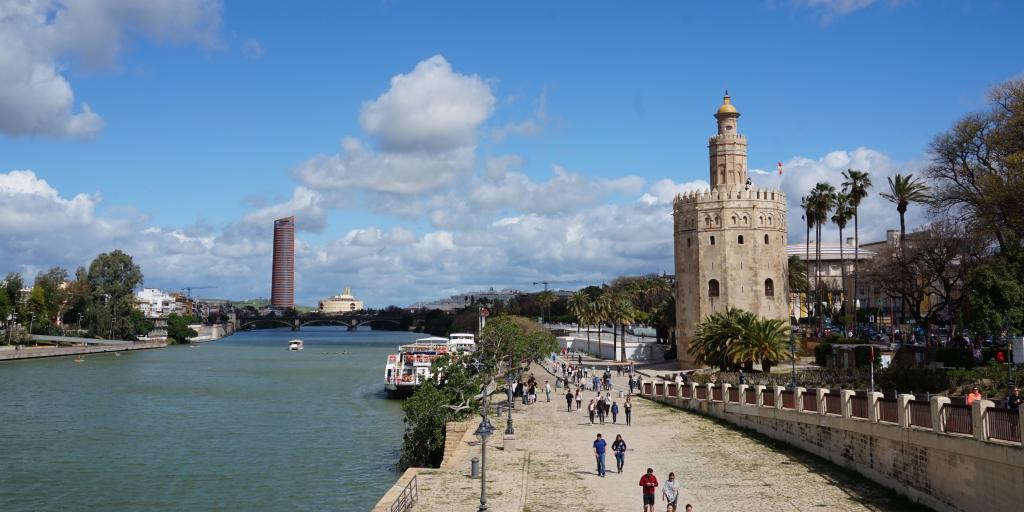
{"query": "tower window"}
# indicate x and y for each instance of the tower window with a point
(739, 239)
(766, 239)
(712, 240)
(713, 288)
(769, 288)
(688, 241)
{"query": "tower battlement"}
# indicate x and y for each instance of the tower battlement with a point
(720, 137)
(760, 194)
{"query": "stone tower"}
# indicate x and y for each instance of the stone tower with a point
(730, 241)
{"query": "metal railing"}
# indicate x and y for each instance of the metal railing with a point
(673, 391)
(716, 393)
(659, 389)
(1004, 424)
(956, 419)
(833, 405)
(687, 392)
(859, 407)
(702, 393)
(788, 400)
(888, 410)
(768, 398)
(810, 402)
(407, 499)
(920, 414)
(734, 395)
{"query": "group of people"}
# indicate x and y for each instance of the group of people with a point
(648, 482)
(527, 391)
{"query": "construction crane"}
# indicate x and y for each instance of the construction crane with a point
(188, 290)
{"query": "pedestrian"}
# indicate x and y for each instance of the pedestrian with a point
(600, 410)
(579, 360)
(627, 408)
(670, 492)
(592, 409)
(568, 400)
(1014, 402)
(599, 445)
(579, 399)
(973, 395)
(619, 448)
(596, 381)
(689, 508)
(743, 378)
(615, 412)
(648, 482)
(547, 390)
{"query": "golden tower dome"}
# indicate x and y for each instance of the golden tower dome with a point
(727, 106)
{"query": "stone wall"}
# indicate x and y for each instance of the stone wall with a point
(932, 466)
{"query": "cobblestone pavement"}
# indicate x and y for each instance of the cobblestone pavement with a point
(720, 468)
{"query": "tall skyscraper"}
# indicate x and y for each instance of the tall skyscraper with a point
(282, 286)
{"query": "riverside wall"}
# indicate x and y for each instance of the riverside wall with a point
(12, 353)
(930, 465)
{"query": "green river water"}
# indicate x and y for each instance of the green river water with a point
(237, 424)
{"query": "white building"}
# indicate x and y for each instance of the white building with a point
(155, 303)
(344, 303)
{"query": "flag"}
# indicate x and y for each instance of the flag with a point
(780, 168)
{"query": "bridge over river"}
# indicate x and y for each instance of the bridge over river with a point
(351, 321)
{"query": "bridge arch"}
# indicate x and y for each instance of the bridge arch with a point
(283, 323)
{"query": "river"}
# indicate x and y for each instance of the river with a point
(236, 424)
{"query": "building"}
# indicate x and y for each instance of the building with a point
(155, 303)
(343, 303)
(282, 285)
(832, 257)
(730, 241)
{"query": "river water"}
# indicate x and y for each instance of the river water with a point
(237, 424)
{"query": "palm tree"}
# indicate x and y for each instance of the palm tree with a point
(808, 217)
(856, 186)
(764, 340)
(545, 299)
(822, 200)
(715, 337)
(578, 307)
(842, 215)
(621, 313)
(797, 277)
(599, 310)
(902, 191)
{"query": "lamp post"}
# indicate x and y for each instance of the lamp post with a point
(511, 403)
(483, 431)
(13, 319)
(31, 323)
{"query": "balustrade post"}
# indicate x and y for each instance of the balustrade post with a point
(903, 409)
(844, 402)
(937, 403)
(777, 390)
(822, 407)
(693, 391)
(873, 412)
(798, 398)
(759, 394)
(725, 392)
(708, 387)
(742, 393)
(978, 419)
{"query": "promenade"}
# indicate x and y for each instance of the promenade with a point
(8, 352)
(720, 467)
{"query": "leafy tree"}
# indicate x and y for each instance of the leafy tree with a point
(178, 328)
(995, 291)
(903, 190)
(37, 308)
(113, 278)
(6, 309)
(13, 283)
(856, 186)
(53, 283)
(509, 342)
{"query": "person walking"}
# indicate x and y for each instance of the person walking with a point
(619, 449)
(599, 445)
(1014, 402)
(649, 482)
(600, 410)
(547, 390)
(615, 412)
(591, 409)
(579, 399)
(596, 381)
(627, 408)
(973, 395)
(670, 492)
(568, 400)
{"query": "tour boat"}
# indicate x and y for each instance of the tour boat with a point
(295, 345)
(410, 367)
(462, 342)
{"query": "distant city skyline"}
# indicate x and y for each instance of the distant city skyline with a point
(425, 153)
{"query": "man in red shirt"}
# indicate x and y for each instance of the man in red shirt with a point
(649, 482)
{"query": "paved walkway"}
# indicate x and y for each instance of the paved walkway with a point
(720, 468)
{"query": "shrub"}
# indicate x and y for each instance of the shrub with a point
(821, 353)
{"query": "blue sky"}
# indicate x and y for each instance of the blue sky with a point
(207, 118)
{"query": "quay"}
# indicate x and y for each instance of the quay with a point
(83, 346)
(720, 467)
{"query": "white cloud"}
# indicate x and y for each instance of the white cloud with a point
(831, 9)
(35, 37)
(531, 125)
(305, 204)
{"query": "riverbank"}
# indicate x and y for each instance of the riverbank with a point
(719, 467)
(13, 352)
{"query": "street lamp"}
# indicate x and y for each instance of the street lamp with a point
(31, 323)
(511, 403)
(483, 431)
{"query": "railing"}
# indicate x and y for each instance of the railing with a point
(810, 402)
(702, 393)
(659, 389)
(673, 391)
(788, 400)
(407, 499)
(888, 410)
(750, 397)
(859, 407)
(833, 404)
(1004, 424)
(768, 398)
(648, 388)
(687, 392)
(734, 395)
(920, 414)
(956, 419)
(716, 393)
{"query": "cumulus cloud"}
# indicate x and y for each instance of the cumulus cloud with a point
(305, 204)
(35, 38)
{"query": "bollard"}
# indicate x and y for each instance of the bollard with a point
(620, 394)
(501, 409)
(474, 467)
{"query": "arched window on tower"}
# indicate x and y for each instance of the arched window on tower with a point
(713, 288)
(688, 242)
(707, 221)
(712, 239)
(769, 220)
(766, 239)
(733, 220)
(739, 239)
(769, 288)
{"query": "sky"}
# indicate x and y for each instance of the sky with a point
(433, 148)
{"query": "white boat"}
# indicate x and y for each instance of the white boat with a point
(462, 342)
(410, 367)
(295, 345)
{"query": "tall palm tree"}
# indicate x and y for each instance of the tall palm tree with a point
(808, 216)
(797, 275)
(622, 312)
(599, 310)
(902, 191)
(822, 199)
(856, 185)
(578, 307)
(842, 215)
